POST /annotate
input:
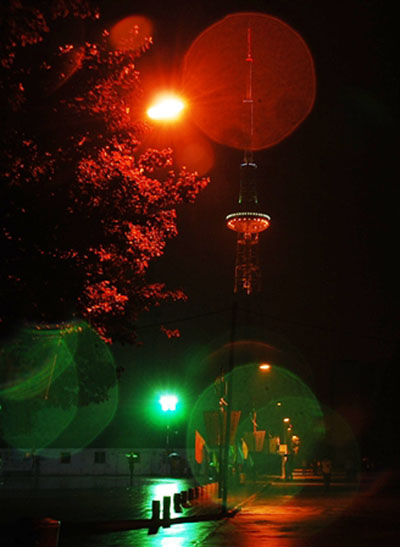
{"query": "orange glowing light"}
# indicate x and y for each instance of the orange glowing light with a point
(248, 222)
(286, 420)
(264, 366)
(166, 107)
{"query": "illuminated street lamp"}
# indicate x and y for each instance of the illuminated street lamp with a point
(285, 448)
(168, 404)
(167, 107)
(264, 366)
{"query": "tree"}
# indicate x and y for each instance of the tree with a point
(85, 208)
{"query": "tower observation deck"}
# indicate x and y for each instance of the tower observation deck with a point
(248, 222)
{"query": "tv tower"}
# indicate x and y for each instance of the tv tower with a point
(248, 221)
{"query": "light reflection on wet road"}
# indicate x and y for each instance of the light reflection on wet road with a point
(343, 517)
(86, 498)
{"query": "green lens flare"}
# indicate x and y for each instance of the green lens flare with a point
(54, 379)
(259, 436)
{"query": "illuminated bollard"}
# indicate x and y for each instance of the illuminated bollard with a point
(166, 511)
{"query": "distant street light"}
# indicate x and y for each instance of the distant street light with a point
(264, 366)
(167, 107)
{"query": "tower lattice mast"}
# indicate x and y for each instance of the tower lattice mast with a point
(248, 221)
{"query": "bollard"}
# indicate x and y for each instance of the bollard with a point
(191, 494)
(48, 531)
(184, 499)
(177, 503)
(155, 517)
(166, 511)
(196, 492)
(155, 510)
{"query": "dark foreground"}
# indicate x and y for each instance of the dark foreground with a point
(285, 515)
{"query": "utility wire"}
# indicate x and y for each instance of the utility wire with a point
(184, 319)
(272, 317)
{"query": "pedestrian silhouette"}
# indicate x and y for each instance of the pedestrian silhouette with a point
(326, 470)
(289, 467)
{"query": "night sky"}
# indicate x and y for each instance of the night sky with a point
(328, 259)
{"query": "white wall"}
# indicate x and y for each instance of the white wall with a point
(152, 461)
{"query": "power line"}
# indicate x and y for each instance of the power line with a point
(183, 319)
(319, 327)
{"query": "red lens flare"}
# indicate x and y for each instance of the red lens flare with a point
(196, 154)
(217, 80)
(131, 33)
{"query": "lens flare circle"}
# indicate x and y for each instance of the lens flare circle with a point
(131, 33)
(257, 427)
(243, 110)
(56, 380)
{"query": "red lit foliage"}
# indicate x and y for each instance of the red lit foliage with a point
(84, 208)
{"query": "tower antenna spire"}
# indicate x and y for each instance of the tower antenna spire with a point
(248, 222)
(248, 100)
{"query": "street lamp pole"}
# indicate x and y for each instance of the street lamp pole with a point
(168, 404)
(224, 465)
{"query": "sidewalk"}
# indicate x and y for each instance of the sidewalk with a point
(302, 514)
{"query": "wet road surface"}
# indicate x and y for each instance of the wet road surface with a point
(342, 517)
(284, 515)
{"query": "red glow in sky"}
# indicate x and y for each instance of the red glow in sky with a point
(283, 80)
